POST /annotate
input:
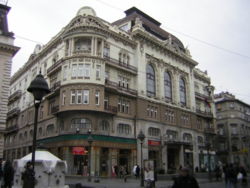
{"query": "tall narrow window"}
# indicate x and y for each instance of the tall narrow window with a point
(98, 72)
(80, 70)
(182, 92)
(85, 96)
(65, 72)
(150, 80)
(79, 96)
(167, 86)
(63, 98)
(106, 50)
(97, 97)
(73, 96)
(87, 70)
(74, 71)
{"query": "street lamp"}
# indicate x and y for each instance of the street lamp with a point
(39, 88)
(90, 141)
(208, 146)
(141, 137)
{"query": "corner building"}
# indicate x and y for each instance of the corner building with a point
(115, 79)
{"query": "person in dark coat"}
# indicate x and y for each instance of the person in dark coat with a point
(137, 171)
(28, 176)
(8, 174)
(231, 176)
(184, 180)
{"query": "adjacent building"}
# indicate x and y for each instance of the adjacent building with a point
(233, 125)
(7, 51)
(115, 79)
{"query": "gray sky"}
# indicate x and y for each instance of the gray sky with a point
(217, 32)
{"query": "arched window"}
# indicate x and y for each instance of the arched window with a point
(104, 126)
(153, 131)
(31, 134)
(167, 86)
(200, 140)
(150, 80)
(124, 129)
(40, 131)
(182, 91)
(172, 135)
(187, 137)
(80, 123)
(50, 129)
(25, 135)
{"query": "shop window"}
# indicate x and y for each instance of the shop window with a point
(154, 132)
(124, 129)
(80, 123)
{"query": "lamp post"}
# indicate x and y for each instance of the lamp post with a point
(208, 145)
(141, 137)
(90, 141)
(39, 88)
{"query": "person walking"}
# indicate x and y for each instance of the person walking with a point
(8, 174)
(28, 176)
(137, 171)
(185, 180)
(230, 176)
(244, 178)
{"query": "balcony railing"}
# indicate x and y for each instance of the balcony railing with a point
(120, 64)
(55, 66)
(16, 95)
(110, 109)
(204, 113)
(209, 130)
(55, 86)
(12, 128)
(78, 52)
(13, 112)
(117, 87)
(55, 109)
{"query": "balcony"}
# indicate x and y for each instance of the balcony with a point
(110, 109)
(56, 66)
(14, 112)
(206, 114)
(126, 67)
(82, 52)
(54, 89)
(202, 96)
(12, 128)
(209, 130)
(114, 86)
(55, 109)
(16, 95)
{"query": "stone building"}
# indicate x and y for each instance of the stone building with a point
(233, 125)
(115, 79)
(7, 51)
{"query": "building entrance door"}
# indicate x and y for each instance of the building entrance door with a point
(173, 159)
(104, 158)
(125, 159)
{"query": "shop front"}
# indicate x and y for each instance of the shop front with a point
(154, 153)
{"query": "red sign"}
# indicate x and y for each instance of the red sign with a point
(154, 143)
(79, 151)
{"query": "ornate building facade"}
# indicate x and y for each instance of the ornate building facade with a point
(233, 125)
(115, 79)
(7, 51)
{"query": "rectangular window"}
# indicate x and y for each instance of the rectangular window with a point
(106, 75)
(79, 96)
(65, 72)
(119, 105)
(106, 51)
(97, 97)
(73, 97)
(123, 106)
(74, 71)
(127, 107)
(98, 72)
(80, 70)
(85, 96)
(63, 98)
(87, 70)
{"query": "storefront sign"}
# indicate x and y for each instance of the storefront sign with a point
(79, 151)
(154, 143)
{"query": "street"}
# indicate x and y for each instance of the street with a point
(133, 183)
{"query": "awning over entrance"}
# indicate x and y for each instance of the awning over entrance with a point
(79, 151)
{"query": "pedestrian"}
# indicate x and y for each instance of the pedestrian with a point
(134, 169)
(28, 176)
(217, 173)
(244, 178)
(230, 176)
(185, 180)
(137, 171)
(8, 174)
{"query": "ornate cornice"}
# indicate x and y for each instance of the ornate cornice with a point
(9, 48)
(161, 47)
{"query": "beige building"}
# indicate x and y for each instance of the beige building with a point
(7, 51)
(115, 79)
(233, 125)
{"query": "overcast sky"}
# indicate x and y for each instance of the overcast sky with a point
(217, 32)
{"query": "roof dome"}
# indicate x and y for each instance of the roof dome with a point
(84, 11)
